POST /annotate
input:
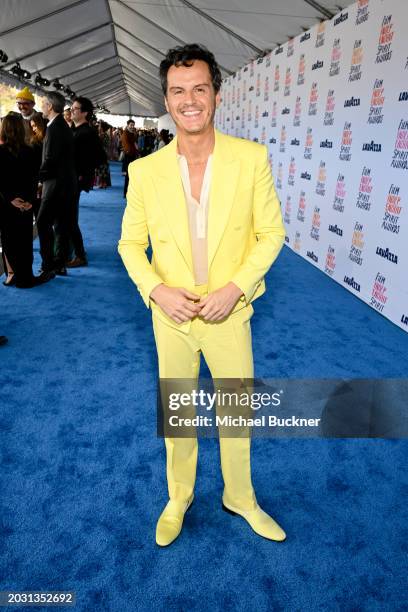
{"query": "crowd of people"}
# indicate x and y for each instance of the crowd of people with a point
(47, 159)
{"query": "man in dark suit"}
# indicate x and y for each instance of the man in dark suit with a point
(57, 174)
(88, 154)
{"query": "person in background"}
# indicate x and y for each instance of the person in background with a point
(26, 106)
(102, 174)
(38, 127)
(163, 139)
(130, 150)
(58, 177)
(18, 186)
(68, 116)
(88, 154)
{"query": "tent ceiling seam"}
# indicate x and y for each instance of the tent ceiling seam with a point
(163, 31)
(140, 82)
(320, 8)
(65, 76)
(68, 59)
(220, 25)
(42, 18)
(104, 80)
(58, 44)
(115, 43)
(91, 76)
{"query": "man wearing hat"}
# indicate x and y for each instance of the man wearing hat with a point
(26, 103)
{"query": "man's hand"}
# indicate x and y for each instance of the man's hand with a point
(218, 304)
(18, 203)
(176, 302)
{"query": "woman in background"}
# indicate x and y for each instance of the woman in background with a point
(18, 187)
(38, 125)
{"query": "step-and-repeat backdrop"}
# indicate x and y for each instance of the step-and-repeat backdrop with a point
(332, 106)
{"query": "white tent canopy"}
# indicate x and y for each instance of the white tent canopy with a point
(110, 50)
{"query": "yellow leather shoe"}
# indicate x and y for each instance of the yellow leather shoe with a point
(261, 523)
(171, 521)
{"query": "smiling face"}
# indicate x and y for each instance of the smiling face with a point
(76, 113)
(25, 107)
(190, 98)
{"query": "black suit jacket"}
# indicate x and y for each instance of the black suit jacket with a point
(57, 171)
(89, 154)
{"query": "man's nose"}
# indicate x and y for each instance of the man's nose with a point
(189, 97)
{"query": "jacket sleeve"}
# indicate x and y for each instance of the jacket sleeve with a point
(268, 227)
(135, 240)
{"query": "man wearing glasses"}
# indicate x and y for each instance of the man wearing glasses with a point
(25, 104)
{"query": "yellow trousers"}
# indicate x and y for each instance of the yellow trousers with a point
(227, 348)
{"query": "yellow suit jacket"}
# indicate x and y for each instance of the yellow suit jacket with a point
(245, 226)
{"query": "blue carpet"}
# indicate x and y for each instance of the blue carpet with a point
(83, 473)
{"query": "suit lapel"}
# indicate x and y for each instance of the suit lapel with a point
(172, 202)
(170, 192)
(224, 180)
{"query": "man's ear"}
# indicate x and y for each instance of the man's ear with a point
(217, 99)
(165, 104)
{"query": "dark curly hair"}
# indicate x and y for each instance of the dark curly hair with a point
(184, 56)
(86, 106)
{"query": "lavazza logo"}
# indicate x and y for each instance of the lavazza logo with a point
(351, 282)
(335, 229)
(312, 256)
(387, 254)
(351, 102)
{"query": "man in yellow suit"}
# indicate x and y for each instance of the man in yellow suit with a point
(208, 203)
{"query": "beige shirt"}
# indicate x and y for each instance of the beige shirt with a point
(198, 219)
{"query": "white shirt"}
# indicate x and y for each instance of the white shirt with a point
(198, 218)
